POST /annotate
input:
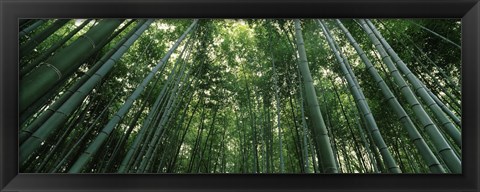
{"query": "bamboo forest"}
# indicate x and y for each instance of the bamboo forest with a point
(240, 96)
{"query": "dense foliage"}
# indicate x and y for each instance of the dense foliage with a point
(240, 96)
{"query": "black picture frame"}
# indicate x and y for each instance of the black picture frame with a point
(12, 10)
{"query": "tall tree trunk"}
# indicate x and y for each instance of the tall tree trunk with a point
(362, 105)
(98, 141)
(441, 145)
(44, 77)
(319, 129)
(82, 138)
(44, 116)
(29, 66)
(61, 115)
(446, 124)
(415, 136)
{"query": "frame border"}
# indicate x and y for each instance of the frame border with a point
(11, 10)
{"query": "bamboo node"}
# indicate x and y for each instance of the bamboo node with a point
(57, 71)
(89, 40)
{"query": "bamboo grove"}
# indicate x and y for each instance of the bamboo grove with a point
(239, 96)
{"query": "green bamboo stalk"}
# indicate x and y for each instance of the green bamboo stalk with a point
(179, 127)
(331, 130)
(28, 67)
(40, 36)
(42, 101)
(78, 118)
(103, 135)
(138, 139)
(172, 102)
(279, 127)
(446, 79)
(44, 77)
(451, 103)
(70, 89)
(445, 108)
(319, 129)
(160, 103)
(251, 120)
(304, 124)
(344, 113)
(455, 87)
(198, 138)
(32, 127)
(454, 100)
(127, 160)
(362, 104)
(83, 137)
(445, 122)
(415, 136)
(119, 146)
(441, 145)
(152, 122)
(450, 98)
(59, 117)
(30, 28)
